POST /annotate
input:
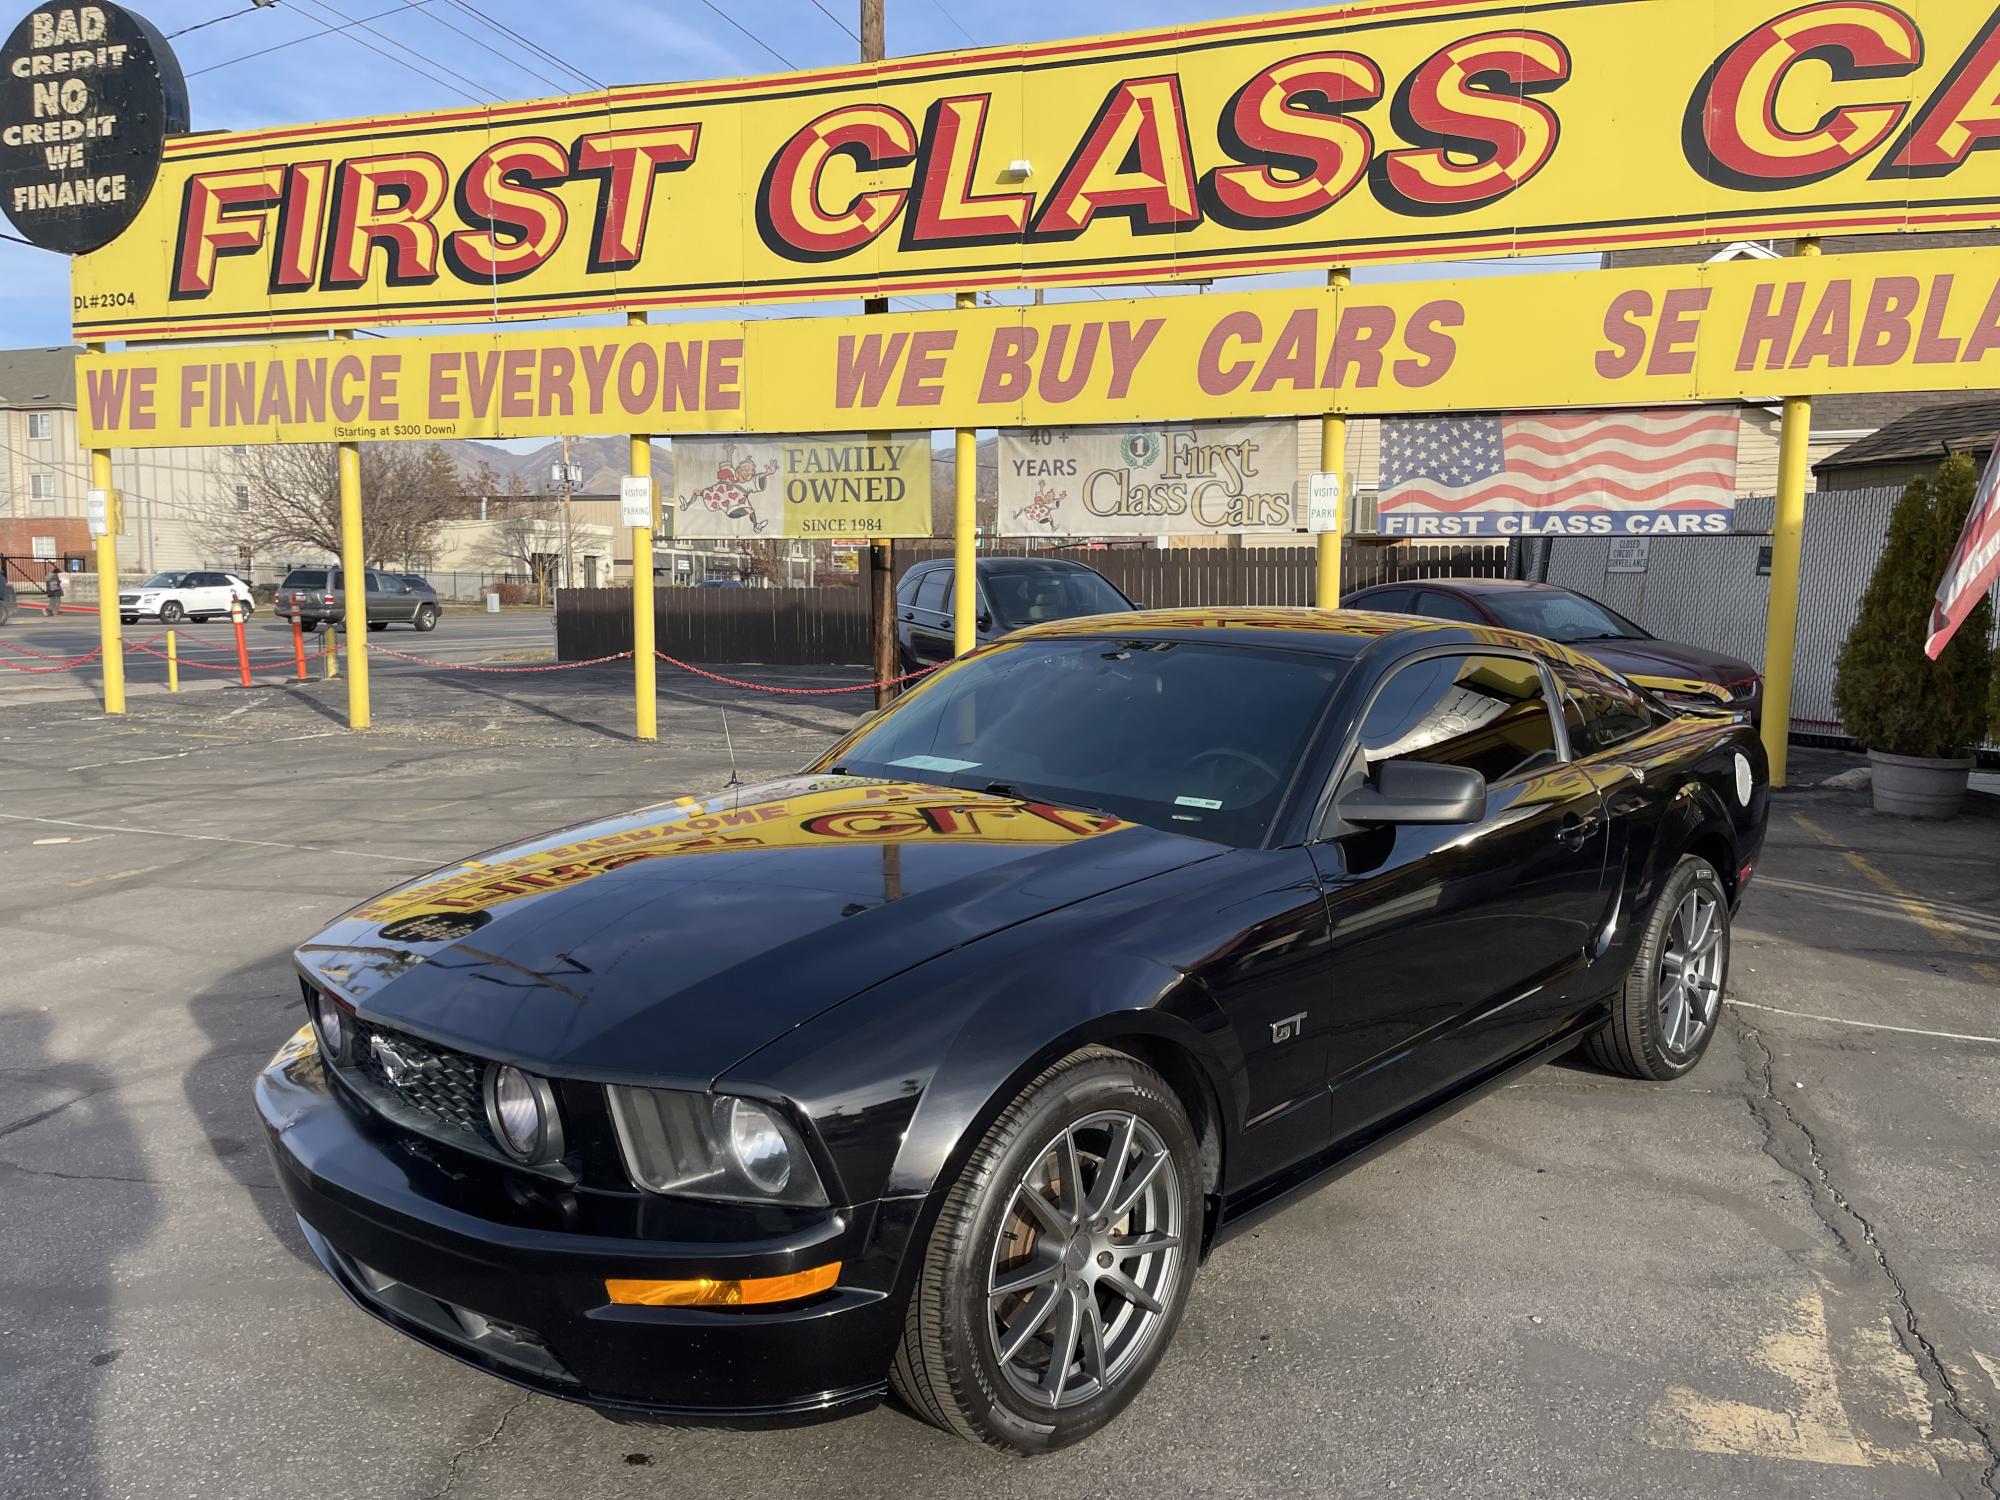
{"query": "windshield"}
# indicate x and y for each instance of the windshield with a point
(1184, 736)
(164, 581)
(1560, 616)
(1028, 596)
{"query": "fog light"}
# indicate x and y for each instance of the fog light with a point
(704, 1291)
(522, 1113)
(330, 1024)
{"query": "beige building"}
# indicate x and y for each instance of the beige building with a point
(168, 491)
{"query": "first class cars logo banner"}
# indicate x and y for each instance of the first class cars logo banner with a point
(845, 485)
(1191, 478)
(1631, 336)
(1422, 129)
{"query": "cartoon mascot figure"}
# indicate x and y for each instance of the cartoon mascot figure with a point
(1042, 509)
(736, 481)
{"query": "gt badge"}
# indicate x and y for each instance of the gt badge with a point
(1288, 1029)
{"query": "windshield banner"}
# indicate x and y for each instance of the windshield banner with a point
(1184, 479)
(1341, 135)
(1574, 473)
(878, 485)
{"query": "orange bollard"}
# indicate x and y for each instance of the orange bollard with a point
(299, 646)
(242, 645)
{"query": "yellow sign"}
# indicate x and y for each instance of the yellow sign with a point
(845, 485)
(1343, 135)
(1731, 331)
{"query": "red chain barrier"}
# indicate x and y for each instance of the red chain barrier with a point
(61, 664)
(765, 687)
(461, 666)
(203, 666)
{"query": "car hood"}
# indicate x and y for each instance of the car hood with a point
(667, 944)
(1667, 659)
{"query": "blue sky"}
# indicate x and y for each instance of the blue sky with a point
(422, 54)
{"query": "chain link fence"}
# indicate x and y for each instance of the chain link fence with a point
(1714, 591)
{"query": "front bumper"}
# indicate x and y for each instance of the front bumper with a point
(436, 1246)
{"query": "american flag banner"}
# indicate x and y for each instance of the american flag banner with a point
(1974, 565)
(1595, 473)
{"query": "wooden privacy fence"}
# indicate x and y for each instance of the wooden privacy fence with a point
(829, 626)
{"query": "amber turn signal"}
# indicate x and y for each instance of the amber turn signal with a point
(705, 1291)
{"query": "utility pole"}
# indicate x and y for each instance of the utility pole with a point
(882, 555)
(568, 481)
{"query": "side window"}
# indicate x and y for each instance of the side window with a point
(906, 591)
(1600, 713)
(1485, 712)
(930, 594)
(1386, 601)
(372, 582)
(391, 584)
(1442, 606)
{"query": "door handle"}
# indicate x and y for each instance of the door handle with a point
(1575, 832)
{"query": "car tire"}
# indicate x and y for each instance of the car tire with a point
(308, 626)
(953, 1366)
(427, 617)
(129, 619)
(378, 624)
(198, 619)
(1666, 1012)
(171, 613)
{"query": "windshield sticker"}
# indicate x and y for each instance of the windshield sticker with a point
(933, 763)
(1210, 804)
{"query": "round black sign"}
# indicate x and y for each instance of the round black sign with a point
(88, 96)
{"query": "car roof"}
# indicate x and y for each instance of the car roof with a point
(1471, 585)
(1345, 633)
(1014, 565)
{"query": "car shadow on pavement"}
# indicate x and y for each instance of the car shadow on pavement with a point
(64, 1140)
(529, 705)
(245, 1019)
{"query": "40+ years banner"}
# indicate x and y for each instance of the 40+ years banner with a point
(1742, 330)
(1347, 134)
(1184, 479)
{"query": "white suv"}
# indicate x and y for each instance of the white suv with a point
(173, 597)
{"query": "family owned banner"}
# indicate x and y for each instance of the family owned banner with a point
(844, 485)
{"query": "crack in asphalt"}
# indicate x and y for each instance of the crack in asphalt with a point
(14, 1166)
(452, 1476)
(51, 1111)
(1819, 1185)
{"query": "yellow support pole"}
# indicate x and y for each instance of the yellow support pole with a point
(332, 653)
(1332, 460)
(173, 664)
(645, 690)
(1788, 526)
(110, 639)
(965, 533)
(354, 580)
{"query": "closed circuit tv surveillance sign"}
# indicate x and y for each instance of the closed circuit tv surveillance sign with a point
(88, 96)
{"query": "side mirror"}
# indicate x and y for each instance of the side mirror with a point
(985, 621)
(1416, 791)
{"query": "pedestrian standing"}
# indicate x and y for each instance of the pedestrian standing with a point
(53, 587)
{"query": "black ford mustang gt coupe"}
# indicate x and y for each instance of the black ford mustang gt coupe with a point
(944, 1064)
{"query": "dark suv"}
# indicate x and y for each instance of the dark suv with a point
(1014, 592)
(313, 595)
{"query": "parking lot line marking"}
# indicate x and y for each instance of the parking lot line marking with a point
(1963, 919)
(1911, 906)
(223, 838)
(77, 885)
(1806, 1015)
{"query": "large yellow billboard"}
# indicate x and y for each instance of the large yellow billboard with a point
(1729, 331)
(1343, 135)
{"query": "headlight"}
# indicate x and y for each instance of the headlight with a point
(330, 1024)
(521, 1110)
(713, 1146)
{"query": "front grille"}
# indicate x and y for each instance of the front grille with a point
(445, 1087)
(128, 598)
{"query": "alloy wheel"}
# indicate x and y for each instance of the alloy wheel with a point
(1087, 1261)
(1690, 981)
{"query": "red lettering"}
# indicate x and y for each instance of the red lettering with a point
(1480, 130)
(625, 162)
(1293, 126)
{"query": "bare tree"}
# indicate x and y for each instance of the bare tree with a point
(281, 496)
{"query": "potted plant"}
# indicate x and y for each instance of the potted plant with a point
(1919, 719)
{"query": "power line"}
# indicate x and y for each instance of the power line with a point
(938, 6)
(484, 95)
(513, 62)
(832, 17)
(230, 62)
(217, 20)
(751, 34)
(500, 28)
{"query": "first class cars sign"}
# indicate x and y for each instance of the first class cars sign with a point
(1425, 129)
(88, 96)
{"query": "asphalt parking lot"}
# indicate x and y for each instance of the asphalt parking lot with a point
(1778, 1277)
